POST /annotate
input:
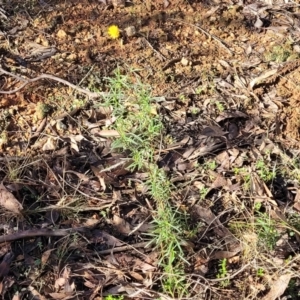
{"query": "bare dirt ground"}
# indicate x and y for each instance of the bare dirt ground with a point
(225, 76)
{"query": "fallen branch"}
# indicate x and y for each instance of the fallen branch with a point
(41, 232)
(64, 232)
(91, 95)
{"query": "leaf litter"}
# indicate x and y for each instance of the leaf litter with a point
(224, 77)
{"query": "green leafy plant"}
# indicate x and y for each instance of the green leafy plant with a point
(220, 106)
(210, 165)
(223, 272)
(111, 297)
(260, 272)
(281, 53)
(203, 192)
(266, 230)
(244, 176)
(139, 128)
(264, 172)
(137, 122)
(194, 110)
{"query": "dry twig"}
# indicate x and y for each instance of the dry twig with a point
(224, 44)
(41, 232)
(91, 95)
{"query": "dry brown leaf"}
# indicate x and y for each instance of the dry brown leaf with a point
(61, 34)
(121, 225)
(220, 181)
(8, 201)
(16, 296)
(262, 77)
(259, 23)
(231, 115)
(97, 173)
(90, 284)
(100, 235)
(74, 143)
(136, 276)
(108, 133)
(50, 144)
(223, 160)
(62, 296)
(213, 131)
(52, 216)
(278, 287)
(297, 201)
(84, 178)
(59, 282)
(45, 256)
(224, 254)
(35, 294)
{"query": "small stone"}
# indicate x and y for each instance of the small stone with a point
(296, 48)
(116, 3)
(184, 61)
(130, 31)
(72, 57)
(60, 126)
(61, 34)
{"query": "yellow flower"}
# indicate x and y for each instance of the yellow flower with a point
(114, 31)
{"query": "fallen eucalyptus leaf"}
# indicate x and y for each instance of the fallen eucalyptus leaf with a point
(8, 201)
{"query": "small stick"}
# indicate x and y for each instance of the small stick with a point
(161, 57)
(91, 95)
(123, 248)
(207, 34)
(40, 232)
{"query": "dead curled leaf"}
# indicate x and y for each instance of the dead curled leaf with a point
(213, 131)
(121, 225)
(278, 287)
(8, 201)
(261, 78)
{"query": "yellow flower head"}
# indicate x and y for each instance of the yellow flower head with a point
(114, 31)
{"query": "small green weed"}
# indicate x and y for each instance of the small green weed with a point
(260, 272)
(210, 165)
(291, 169)
(183, 98)
(244, 176)
(264, 172)
(257, 206)
(262, 231)
(199, 90)
(15, 169)
(111, 297)
(220, 106)
(194, 110)
(294, 222)
(266, 230)
(42, 110)
(281, 53)
(174, 282)
(203, 192)
(223, 272)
